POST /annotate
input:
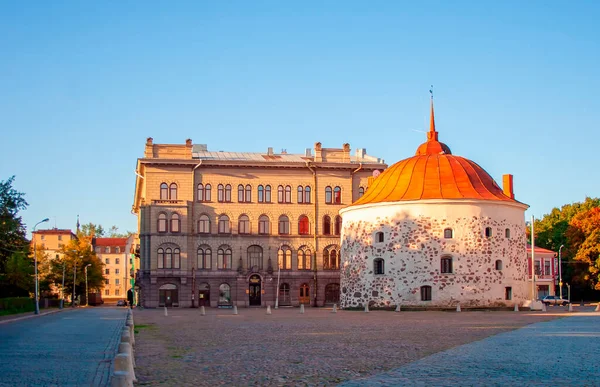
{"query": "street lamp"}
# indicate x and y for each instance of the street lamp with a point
(37, 302)
(74, 280)
(86, 288)
(560, 270)
(62, 299)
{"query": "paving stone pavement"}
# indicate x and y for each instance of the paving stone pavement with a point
(562, 352)
(70, 348)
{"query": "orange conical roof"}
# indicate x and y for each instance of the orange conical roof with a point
(433, 173)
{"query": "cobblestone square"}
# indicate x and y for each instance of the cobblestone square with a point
(292, 349)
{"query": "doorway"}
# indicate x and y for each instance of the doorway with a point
(168, 296)
(332, 294)
(255, 290)
(304, 294)
(204, 294)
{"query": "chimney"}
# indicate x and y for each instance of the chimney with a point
(507, 186)
(270, 151)
(361, 153)
(307, 152)
(188, 142)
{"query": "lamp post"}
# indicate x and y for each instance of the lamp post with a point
(62, 299)
(86, 288)
(560, 284)
(37, 302)
(74, 281)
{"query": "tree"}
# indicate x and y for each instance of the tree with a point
(14, 246)
(584, 242)
(93, 230)
(113, 232)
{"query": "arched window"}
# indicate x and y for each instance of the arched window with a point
(268, 194)
(338, 225)
(361, 191)
(448, 233)
(307, 194)
(248, 193)
(303, 226)
(280, 194)
(200, 193)
(176, 258)
(173, 191)
(261, 194)
(288, 194)
(224, 226)
(507, 233)
(379, 237)
(164, 191)
(207, 193)
(326, 225)
(244, 224)
(284, 294)
(331, 258)
(304, 259)
(220, 193)
(107, 249)
(160, 256)
(300, 194)
(204, 257)
(224, 294)
(255, 257)
(498, 264)
(263, 225)
(224, 258)
(378, 266)
(337, 195)
(175, 223)
(446, 265)
(426, 293)
(488, 232)
(228, 193)
(204, 224)
(284, 225)
(168, 258)
(162, 222)
(240, 193)
(284, 258)
(328, 195)
(117, 250)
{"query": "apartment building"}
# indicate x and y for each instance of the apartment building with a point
(119, 266)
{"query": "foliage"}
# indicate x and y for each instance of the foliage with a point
(92, 230)
(18, 278)
(11, 305)
(14, 246)
(584, 240)
(113, 232)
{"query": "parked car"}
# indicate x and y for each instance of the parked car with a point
(121, 303)
(554, 300)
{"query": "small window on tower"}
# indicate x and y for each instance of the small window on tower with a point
(488, 232)
(379, 237)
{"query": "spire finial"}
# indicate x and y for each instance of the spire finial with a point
(432, 135)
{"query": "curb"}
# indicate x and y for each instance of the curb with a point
(31, 316)
(124, 362)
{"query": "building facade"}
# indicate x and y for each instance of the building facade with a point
(244, 229)
(119, 261)
(434, 230)
(546, 271)
(51, 241)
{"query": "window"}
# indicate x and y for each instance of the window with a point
(426, 293)
(261, 194)
(106, 281)
(176, 259)
(488, 232)
(284, 225)
(107, 249)
(224, 227)
(117, 291)
(338, 225)
(255, 257)
(300, 194)
(263, 225)
(288, 194)
(228, 193)
(507, 233)
(284, 195)
(303, 225)
(498, 264)
(56, 256)
(378, 266)
(284, 258)
(337, 195)
(307, 194)
(204, 224)
(207, 190)
(173, 191)
(224, 294)
(248, 193)
(106, 292)
(203, 193)
(361, 191)
(60, 237)
(117, 261)
(117, 250)
(107, 261)
(117, 271)
(164, 191)
(224, 258)
(204, 257)
(117, 282)
(168, 258)
(326, 225)
(508, 293)
(448, 233)
(107, 271)
(304, 259)
(328, 196)
(538, 270)
(268, 194)
(240, 193)
(280, 194)
(446, 265)
(98, 250)
(331, 258)
(42, 237)
(175, 223)
(220, 193)
(244, 225)
(200, 193)
(547, 267)
(162, 222)
(379, 237)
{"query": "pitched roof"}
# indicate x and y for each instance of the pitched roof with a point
(110, 242)
(540, 250)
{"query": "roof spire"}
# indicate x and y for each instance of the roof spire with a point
(432, 135)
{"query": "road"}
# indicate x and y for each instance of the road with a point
(69, 348)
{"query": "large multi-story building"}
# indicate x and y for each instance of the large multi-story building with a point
(245, 229)
(119, 265)
(52, 241)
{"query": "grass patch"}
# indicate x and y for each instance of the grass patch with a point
(139, 327)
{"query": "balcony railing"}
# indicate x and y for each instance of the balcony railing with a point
(167, 201)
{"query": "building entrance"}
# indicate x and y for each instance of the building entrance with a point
(255, 290)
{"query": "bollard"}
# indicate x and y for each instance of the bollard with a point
(123, 363)
(366, 308)
(334, 310)
(543, 307)
(235, 309)
(516, 307)
(166, 313)
(126, 348)
(268, 309)
(398, 308)
(301, 308)
(202, 311)
(458, 307)
(121, 379)
(570, 307)
(582, 304)
(129, 324)
(125, 336)
(597, 308)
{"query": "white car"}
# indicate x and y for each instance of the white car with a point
(554, 300)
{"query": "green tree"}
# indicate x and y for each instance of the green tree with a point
(583, 235)
(92, 230)
(113, 232)
(14, 246)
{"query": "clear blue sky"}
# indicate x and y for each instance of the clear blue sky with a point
(83, 84)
